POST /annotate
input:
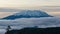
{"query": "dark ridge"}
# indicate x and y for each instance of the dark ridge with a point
(52, 30)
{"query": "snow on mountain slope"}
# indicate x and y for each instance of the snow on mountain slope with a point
(28, 14)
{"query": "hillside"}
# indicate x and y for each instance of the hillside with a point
(53, 30)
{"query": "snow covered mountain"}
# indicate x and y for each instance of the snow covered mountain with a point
(28, 14)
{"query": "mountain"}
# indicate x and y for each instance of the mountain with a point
(28, 14)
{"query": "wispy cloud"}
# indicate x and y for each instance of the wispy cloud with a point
(28, 3)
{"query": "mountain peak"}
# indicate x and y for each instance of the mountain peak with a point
(28, 14)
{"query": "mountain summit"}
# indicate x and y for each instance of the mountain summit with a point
(28, 14)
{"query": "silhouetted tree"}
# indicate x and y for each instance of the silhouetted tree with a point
(8, 28)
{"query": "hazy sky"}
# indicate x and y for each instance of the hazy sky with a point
(28, 4)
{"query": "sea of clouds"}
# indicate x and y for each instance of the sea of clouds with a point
(29, 22)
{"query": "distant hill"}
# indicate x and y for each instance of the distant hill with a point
(28, 14)
(53, 30)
